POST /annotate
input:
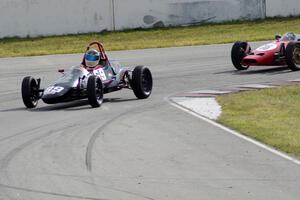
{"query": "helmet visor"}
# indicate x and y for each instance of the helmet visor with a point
(90, 57)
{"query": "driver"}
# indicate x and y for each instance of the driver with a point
(289, 36)
(91, 59)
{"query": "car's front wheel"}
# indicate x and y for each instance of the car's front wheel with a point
(292, 52)
(30, 92)
(238, 51)
(95, 91)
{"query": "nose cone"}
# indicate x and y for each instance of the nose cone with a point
(55, 94)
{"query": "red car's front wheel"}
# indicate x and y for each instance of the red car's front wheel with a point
(238, 51)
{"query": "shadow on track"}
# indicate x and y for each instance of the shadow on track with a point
(68, 106)
(13, 109)
(118, 100)
(268, 71)
(77, 105)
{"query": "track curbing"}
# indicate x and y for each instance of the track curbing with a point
(231, 131)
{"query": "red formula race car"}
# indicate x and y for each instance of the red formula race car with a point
(285, 50)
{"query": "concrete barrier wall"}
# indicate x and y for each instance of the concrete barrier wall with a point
(50, 17)
(282, 8)
(55, 17)
(148, 13)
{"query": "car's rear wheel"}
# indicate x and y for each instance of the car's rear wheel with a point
(292, 52)
(95, 91)
(141, 82)
(30, 92)
(238, 51)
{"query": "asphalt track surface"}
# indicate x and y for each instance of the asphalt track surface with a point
(135, 149)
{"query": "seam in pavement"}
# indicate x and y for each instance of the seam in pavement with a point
(235, 133)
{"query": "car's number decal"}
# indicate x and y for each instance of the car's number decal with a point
(100, 72)
(53, 89)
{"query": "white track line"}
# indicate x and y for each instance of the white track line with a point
(270, 149)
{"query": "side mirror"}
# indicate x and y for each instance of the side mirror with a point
(61, 71)
(277, 37)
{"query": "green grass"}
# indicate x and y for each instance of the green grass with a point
(270, 116)
(152, 38)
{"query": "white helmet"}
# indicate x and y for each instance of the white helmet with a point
(92, 58)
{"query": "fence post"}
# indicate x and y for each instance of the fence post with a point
(113, 15)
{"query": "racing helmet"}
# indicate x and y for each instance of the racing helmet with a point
(289, 36)
(92, 58)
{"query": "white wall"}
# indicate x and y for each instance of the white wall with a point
(148, 13)
(282, 8)
(51, 17)
(55, 17)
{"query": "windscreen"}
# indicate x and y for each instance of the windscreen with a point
(288, 37)
(71, 76)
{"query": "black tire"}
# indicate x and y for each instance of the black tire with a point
(141, 82)
(30, 92)
(95, 91)
(292, 53)
(238, 51)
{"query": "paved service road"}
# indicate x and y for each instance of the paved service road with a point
(135, 149)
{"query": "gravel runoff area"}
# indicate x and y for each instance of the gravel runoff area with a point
(204, 103)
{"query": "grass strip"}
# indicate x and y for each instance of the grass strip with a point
(152, 38)
(269, 115)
